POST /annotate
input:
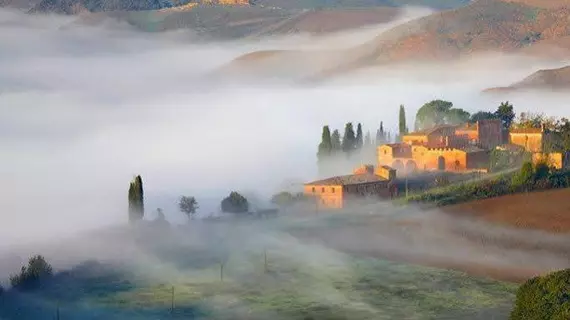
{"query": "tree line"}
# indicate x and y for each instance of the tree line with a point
(234, 203)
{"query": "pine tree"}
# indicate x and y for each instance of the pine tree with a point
(136, 200)
(325, 147)
(403, 128)
(349, 139)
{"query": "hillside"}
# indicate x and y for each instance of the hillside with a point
(483, 26)
(550, 79)
(546, 210)
(311, 4)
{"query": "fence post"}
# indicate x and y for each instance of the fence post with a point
(265, 260)
(172, 301)
(222, 272)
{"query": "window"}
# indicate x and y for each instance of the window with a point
(332, 189)
(385, 152)
(313, 189)
(323, 189)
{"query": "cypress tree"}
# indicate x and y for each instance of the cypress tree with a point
(349, 139)
(380, 135)
(403, 128)
(359, 137)
(335, 141)
(367, 139)
(325, 147)
(136, 200)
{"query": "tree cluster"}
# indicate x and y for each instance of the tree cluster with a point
(235, 203)
(32, 275)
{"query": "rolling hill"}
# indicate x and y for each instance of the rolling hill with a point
(483, 26)
(549, 79)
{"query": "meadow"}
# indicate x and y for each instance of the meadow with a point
(255, 270)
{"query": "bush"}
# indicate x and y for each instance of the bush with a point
(30, 277)
(546, 297)
(235, 203)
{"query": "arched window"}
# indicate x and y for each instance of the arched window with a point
(332, 189)
(323, 189)
(314, 190)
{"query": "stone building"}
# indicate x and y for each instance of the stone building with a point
(535, 141)
(336, 192)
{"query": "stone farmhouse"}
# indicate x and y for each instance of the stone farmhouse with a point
(455, 148)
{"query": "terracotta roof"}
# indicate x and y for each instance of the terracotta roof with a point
(430, 130)
(350, 179)
(526, 130)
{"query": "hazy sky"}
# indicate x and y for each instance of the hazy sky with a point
(83, 109)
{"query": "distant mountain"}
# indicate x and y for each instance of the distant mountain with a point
(550, 79)
(310, 4)
(508, 26)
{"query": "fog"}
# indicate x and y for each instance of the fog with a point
(83, 109)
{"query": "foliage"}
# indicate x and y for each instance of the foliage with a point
(501, 160)
(506, 113)
(136, 200)
(325, 147)
(282, 199)
(525, 179)
(381, 137)
(335, 141)
(402, 127)
(235, 203)
(349, 139)
(188, 205)
(439, 112)
(359, 137)
(544, 297)
(31, 276)
(482, 115)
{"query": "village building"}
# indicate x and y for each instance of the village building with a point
(458, 148)
(535, 141)
(366, 181)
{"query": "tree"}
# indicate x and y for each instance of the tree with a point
(349, 139)
(506, 113)
(544, 297)
(380, 135)
(188, 205)
(235, 203)
(402, 127)
(282, 199)
(359, 137)
(136, 200)
(438, 112)
(367, 139)
(325, 147)
(525, 176)
(335, 142)
(30, 276)
(482, 115)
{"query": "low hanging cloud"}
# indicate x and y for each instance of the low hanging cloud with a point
(83, 109)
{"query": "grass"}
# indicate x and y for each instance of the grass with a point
(301, 282)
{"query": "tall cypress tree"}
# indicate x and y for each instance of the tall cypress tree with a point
(367, 140)
(136, 200)
(359, 137)
(380, 135)
(402, 122)
(335, 141)
(349, 139)
(325, 147)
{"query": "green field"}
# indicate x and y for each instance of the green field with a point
(267, 274)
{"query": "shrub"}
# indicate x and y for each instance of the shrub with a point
(235, 203)
(524, 177)
(546, 297)
(31, 276)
